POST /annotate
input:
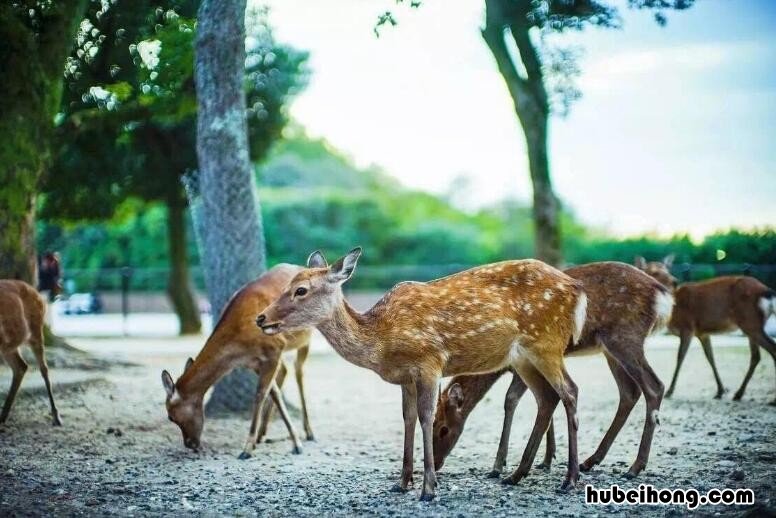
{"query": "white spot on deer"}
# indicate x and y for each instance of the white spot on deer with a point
(580, 314)
(514, 353)
(547, 294)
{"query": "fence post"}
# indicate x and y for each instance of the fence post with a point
(126, 275)
(686, 272)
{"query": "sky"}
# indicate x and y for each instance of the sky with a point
(675, 132)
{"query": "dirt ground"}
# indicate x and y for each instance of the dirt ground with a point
(118, 455)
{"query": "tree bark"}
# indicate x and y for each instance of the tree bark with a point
(179, 287)
(33, 62)
(532, 108)
(230, 232)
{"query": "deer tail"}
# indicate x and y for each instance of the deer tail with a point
(580, 314)
(664, 305)
(767, 303)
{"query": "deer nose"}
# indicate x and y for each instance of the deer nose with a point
(260, 319)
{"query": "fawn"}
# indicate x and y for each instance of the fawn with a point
(22, 311)
(517, 313)
(236, 342)
(624, 306)
(717, 306)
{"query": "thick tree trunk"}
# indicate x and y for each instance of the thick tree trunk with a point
(229, 231)
(532, 108)
(179, 287)
(33, 62)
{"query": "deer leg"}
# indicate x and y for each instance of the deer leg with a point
(767, 343)
(277, 397)
(754, 359)
(409, 410)
(266, 374)
(427, 398)
(634, 362)
(546, 401)
(515, 391)
(706, 344)
(301, 357)
(629, 395)
(36, 344)
(268, 407)
(17, 364)
(684, 343)
(549, 448)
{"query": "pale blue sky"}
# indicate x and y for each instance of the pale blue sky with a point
(676, 130)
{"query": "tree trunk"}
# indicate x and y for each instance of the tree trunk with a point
(179, 287)
(532, 108)
(33, 61)
(229, 231)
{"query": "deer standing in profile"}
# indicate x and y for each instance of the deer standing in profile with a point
(624, 307)
(22, 312)
(236, 342)
(718, 305)
(515, 313)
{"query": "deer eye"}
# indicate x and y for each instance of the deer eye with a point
(443, 431)
(300, 292)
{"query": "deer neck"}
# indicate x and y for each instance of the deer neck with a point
(475, 387)
(352, 335)
(212, 363)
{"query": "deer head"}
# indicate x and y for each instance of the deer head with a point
(448, 423)
(659, 270)
(311, 297)
(187, 412)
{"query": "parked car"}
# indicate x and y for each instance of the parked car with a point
(81, 304)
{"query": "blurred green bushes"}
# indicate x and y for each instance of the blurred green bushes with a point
(314, 197)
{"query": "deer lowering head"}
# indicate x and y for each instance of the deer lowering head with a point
(186, 411)
(660, 270)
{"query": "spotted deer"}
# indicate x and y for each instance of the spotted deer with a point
(714, 306)
(22, 312)
(515, 313)
(624, 307)
(236, 342)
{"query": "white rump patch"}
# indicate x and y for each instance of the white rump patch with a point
(664, 305)
(580, 314)
(767, 306)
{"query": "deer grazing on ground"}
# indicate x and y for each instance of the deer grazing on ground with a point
(714, 306)
(515, 313)
(236, 342)
(22, 312)
(624, 306)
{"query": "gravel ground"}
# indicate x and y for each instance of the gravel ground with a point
(118, 455)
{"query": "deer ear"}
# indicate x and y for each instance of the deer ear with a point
(343, 269)
(189, 363)
(169, 384)
(640, 263)
(316, 260)
(455, 395)
(668, 260)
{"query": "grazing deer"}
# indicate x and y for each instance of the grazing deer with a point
(717, 305)
(22, 311)
(515, 313)
(624, 306)
(236, 342)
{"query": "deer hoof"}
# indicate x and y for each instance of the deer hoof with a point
(427, 497)
(512, 480)
(568, 485)
(632, 473)
(737, 396)
(493, 474)
(587, 465)
(543, 466)
(772, 403)
(297, 450)
(57, 421)
(310, 437)
(399, 488)
(244, 456)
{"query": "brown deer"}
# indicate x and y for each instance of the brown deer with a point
(22, 311)
(714, 306)
(624, 306)
(515, 313)
(236, 342)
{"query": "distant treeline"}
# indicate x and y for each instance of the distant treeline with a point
(313, 197)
